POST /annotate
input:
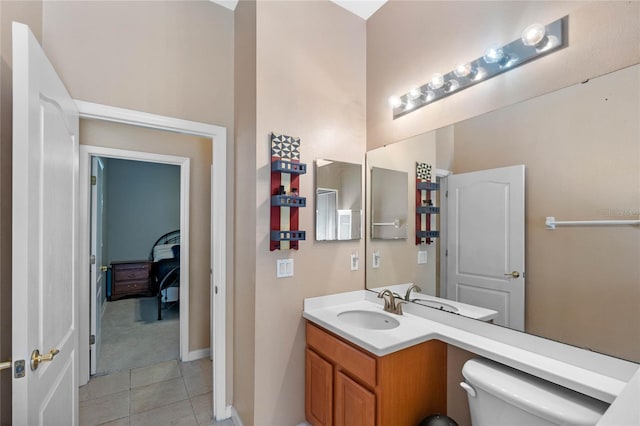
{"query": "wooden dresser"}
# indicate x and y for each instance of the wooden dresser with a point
(131, 278)
(347, 386)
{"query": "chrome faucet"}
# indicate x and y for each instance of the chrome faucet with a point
(407, 295)
(390, 304)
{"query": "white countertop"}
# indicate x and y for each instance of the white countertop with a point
(591, 373)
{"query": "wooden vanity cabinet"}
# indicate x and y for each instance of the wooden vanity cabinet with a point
(348, 386)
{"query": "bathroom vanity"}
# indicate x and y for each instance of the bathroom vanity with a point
(346, 385)
(354, 323)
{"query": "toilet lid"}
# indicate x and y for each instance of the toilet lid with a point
(539, 397)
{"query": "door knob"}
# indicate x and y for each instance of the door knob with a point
(514, 274)
(36, 358)
(103, 269)
(5, 365)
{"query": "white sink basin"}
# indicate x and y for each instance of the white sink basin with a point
(368, 319)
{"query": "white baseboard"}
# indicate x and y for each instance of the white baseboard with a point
(237, 421)
(197, 354)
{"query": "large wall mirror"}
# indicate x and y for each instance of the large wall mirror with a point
(338, 200)
(580, 147)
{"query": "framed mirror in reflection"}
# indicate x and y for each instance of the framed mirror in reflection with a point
(580, 147)
(338, 200)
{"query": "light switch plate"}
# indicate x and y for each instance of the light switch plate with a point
(422, 257)
(354, 261)
(284, 268)
(376, 260)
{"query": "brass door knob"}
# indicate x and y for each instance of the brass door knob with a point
(514, 274)
(4, 365)
(36, 358)
(103, 268)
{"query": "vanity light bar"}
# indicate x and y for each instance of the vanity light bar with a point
(537, 40)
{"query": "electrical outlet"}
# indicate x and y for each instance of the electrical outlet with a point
(422, 257)
(284, 268)
(354, 261)
(376, 260)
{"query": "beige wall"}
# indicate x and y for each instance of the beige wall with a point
(407, 41)
(399, 258)
(163, 57)
(310, 84)
(581, 148)
(120, 136)
(29, 13)
(244, 354)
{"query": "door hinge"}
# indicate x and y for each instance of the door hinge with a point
(92, 339)
(92, 259)
(93, 180)
(446, 253)
(446, 194)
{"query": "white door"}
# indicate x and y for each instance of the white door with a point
(98, 270)
(485, 242)
(45, 182)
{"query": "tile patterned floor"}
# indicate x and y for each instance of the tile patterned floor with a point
(168, 393)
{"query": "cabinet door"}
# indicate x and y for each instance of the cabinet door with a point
(355, 405)
(318, 390)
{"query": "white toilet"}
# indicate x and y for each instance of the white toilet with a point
(500, 395)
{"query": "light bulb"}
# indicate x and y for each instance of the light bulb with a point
(414, 93)
(493, 54)
(394, 101)
(462, 70)
(437, 81)
(534, 35)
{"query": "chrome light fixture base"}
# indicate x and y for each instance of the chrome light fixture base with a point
(514, 54)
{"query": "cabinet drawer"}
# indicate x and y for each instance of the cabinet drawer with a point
(130, 287)
(346, 356)
(128, 274)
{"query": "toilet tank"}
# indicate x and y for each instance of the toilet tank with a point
(500, 395)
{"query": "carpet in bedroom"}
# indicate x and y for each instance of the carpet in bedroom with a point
(133, 337)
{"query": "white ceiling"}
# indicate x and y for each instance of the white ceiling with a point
(362, 8)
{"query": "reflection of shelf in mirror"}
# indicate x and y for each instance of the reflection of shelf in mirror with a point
(427, 210)
(427, 186)
(288, 167)
(427, 234)
(288, 235)
(288, 201)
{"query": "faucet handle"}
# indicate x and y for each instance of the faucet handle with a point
(398, 310)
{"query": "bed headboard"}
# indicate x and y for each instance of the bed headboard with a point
(172, 237)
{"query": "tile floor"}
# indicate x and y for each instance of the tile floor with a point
(168, 393)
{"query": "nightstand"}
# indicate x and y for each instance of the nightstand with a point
(131, 278)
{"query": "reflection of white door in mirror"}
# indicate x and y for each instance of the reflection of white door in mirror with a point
(485, 242)
(327, 200)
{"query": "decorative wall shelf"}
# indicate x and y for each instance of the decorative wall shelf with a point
(424, 204)
(286, 169)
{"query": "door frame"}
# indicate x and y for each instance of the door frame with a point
(218, 285)
(86, 153)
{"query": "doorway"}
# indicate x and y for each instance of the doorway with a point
(135, 247)
(215, 241)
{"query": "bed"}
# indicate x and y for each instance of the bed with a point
(165, 255)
